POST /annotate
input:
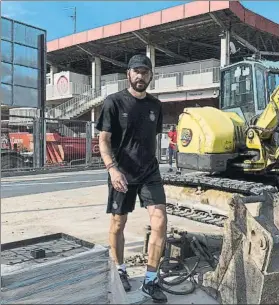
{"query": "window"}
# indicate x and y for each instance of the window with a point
(273, 82)
(6, 51)
(226, 90)
(27, 77)
(6, 94)
(25, 97)
(260, 87)
(6, 29)
(26, 35)
(6, 73)
(237, 87)
(25, 56)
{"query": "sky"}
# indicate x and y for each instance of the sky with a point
(54, 16)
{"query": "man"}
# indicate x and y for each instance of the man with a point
(128, 125)
(172, 136)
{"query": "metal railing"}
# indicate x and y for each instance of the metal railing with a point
(193, 79)
(187, 79)
(76, 105)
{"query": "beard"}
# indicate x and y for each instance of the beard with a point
(139, 86)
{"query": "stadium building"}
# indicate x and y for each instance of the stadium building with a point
(187, 45)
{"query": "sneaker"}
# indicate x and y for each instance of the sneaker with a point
(124, 279)
(153, 290)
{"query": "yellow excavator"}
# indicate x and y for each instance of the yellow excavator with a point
(231, 150)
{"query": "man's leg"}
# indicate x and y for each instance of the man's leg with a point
(117, 243)
(178, 170)
(158, 223)
(170, 159)
(116, 238)
(153, 197)
(119, 205)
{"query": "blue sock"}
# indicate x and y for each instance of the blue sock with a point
(150, 276)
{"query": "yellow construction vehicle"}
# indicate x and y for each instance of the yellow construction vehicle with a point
(233, 149)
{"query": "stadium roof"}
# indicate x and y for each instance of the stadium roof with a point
(182, 33)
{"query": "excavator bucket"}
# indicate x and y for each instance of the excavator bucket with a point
(248, 267)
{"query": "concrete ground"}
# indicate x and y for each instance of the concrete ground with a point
(81, 212)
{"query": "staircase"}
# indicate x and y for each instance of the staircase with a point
(76, 106)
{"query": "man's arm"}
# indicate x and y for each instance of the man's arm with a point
(106, 123)
(119, 181)
(105, 147)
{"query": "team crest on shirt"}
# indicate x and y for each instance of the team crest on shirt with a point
(115, 205)
(152, 116)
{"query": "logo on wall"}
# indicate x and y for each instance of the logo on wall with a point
(186, 136)
(62, 85)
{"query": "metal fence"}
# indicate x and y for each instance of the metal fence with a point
(17, 143)
(162, 148)
(29, 143)
(32, 143)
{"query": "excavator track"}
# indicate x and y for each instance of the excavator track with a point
(206, 181)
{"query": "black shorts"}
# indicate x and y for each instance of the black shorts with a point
(150, 192)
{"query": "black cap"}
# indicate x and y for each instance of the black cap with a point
(140, 61)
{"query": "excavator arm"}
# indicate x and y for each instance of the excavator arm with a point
(268, 121)
(260, 137)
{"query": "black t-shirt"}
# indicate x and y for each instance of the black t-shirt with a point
(134, 124)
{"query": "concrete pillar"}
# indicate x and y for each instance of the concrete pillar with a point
(150, 52)
(225, 49)
(93, 122)
(96, 74)
(53, 70)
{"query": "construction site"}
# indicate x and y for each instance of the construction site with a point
(216, 72)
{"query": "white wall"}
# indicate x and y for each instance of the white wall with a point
(72, 77)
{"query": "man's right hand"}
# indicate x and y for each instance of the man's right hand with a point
(118, 180)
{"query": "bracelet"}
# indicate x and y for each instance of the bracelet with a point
(109, 166)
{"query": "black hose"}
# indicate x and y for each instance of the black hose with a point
(182, 277)
(200, 251)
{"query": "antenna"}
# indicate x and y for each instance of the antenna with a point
(74, 16)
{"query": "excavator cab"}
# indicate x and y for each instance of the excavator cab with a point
(211, 139)
(246, 87)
